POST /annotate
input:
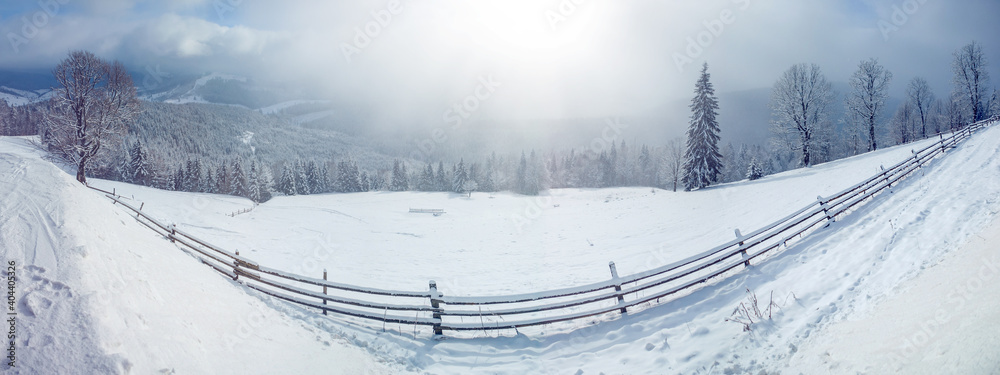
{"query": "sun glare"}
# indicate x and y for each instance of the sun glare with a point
(532, 29)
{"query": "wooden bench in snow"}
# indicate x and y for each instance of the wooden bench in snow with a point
(435, 211)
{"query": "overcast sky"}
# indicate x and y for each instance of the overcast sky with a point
(548, 58)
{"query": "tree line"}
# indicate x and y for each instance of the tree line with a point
(803, 131)
(228, 150)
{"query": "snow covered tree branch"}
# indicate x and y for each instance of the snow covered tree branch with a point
(799, 103)
(91, 110)
(866, 101)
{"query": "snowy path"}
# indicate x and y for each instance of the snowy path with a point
(946, 320)
(98, 293)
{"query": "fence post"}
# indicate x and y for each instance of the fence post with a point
(173, 231)
(886, 175)
(618, 287)
(436, 304)
(826, 210)
(236, 267)
(743, 252)
(324, 290)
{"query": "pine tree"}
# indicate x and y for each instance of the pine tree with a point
(399, 178)
(239, 180)
(487, 182)
(754, 171)
(324, 179)
(6, 117)
(286, 184)
(265, 182)
(624, 166)
(521, 177)
(139, 165)
(612, 171)
(606, 170)
(210, 184)
(253, 183)
(179, 179)
(125, 170)
(222, 180)
(366, 181)
(459, 177)
(195, 179)
(312, 177)
(301, 182)
(533, 176)
(442, 183)
(378, 181)
(702, 161)
(426, 181)
(348, 177)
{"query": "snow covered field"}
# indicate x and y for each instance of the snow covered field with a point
(496, 243)
(135, 301)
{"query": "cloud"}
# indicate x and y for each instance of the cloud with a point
(556, 59)
(186, 37)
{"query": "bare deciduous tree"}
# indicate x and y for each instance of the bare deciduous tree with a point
(920, 96)
(673, 162)
(91, 110)
(972, 80)
(799, 102)
(903, 128)
(865, 103)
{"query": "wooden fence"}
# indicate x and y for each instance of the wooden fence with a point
(618, 294)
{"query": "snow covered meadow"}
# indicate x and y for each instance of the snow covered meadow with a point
(500, 187)
(137, 303)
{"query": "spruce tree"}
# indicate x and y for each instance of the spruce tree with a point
(702, 160)
(265, 181)
(399, 180)
(426, 182)
(139, 166)
(312, 177)
(222, 180)
(487, 182)
(442, 183)
(459, 177)
(239, 180)
(301, 182)
(253, 183)
(754, 171)
(125, 170)
(533, 177)
(521, 179)
(286, 184)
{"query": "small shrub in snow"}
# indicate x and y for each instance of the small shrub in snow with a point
(750, 311)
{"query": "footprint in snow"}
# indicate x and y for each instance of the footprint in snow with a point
(41, 293)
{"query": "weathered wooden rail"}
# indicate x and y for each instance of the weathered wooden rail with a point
(432, 308)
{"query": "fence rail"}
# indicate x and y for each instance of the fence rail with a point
(431, 308)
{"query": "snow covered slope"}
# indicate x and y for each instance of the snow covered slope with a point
(141, 303)
(510, 244)
(97, 293)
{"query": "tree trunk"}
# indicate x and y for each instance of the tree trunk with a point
(871, 133)
(80, 176)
